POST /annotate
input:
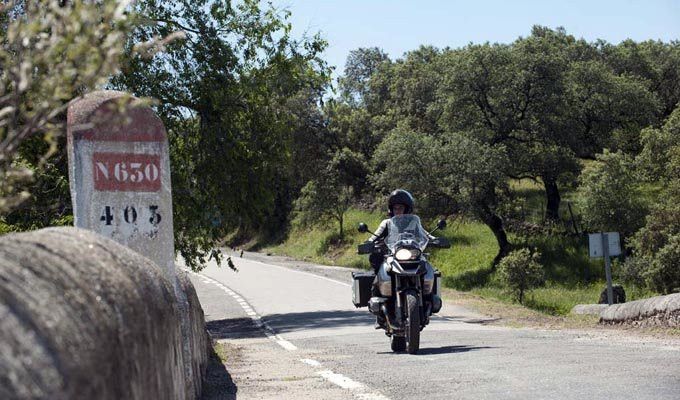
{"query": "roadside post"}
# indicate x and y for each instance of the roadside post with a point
(119, 174)
(605, 245)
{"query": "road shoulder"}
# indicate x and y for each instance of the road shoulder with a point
(247, 362)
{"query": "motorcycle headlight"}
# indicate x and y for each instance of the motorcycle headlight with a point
(407, 254)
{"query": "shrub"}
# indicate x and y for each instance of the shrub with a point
(608, 195)
(521, 271)
(663, 272)
(632, 271)
(657, 244)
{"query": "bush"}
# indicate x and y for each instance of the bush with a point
(632, 271)
(657, 244)
(663, 272)
(521, 271)
(608, 195)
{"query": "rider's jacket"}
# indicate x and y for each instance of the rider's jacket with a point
(381, 232)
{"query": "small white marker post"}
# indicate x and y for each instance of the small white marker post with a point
(605, 245)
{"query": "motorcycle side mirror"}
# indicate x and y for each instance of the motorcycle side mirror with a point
(441, 224)
(363, 228)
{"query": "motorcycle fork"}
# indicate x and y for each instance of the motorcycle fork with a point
(399, 291)
(398, 316)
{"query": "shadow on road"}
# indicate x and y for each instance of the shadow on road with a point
(467, 320)
(233, 328)
(450, 349)
(217, 384)
(443, 350)
(318, 319)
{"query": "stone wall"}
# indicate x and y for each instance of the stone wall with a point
(195, 337)
(655, 311)
(83, 317)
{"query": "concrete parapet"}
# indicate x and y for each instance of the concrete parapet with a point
(195, 337)
(83, 317)
(588, 309)
(659, 311)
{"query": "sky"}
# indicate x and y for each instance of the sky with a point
(398, 26)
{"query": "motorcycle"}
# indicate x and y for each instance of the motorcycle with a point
(408, 285)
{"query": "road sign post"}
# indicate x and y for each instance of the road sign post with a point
(605, 245)
(607, 268)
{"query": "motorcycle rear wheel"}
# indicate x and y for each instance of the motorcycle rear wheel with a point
(398, 343)
(412, 324)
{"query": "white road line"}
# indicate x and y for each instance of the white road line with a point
(299, 272)
(371, 396)
(311, 362)
(361, 391)
(257, 319)
(341, 380)
(286, 345)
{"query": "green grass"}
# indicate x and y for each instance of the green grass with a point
(565, 259)
(320, 243)
(532, 206)
(552, 299)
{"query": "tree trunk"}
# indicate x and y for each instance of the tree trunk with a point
(552, 194)
(495, 223)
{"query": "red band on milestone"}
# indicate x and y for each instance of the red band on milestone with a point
(126, 172)
(136, 125)
(148, 136)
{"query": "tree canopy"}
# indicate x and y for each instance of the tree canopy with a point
(225, 94)
(257, 137)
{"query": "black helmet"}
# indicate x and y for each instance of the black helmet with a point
(401, 196)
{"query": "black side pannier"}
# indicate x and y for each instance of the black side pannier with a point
(361, 288)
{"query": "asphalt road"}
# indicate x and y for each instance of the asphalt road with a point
(292, 332)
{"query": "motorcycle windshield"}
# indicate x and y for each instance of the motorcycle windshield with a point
(405, 230)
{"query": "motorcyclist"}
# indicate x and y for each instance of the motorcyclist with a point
(400, 202)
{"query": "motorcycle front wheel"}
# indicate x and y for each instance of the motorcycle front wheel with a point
(412, 323)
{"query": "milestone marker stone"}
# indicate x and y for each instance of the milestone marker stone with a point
(119, 173)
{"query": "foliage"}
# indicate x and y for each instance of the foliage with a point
(608, 109)
(49, 202)
(653, 63)
(607, 195)
(663, 273)
(233, 97)
(657, 245)
(658, 148)
(330, 193)
(413, 161)
(51, 52)
(632, 271)
(405, 92)
(447, 174)
(361, 65)
(521, 271)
